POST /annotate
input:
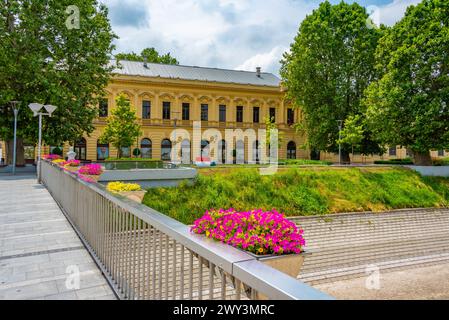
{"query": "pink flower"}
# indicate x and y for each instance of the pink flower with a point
(257, 231)
(91, 169)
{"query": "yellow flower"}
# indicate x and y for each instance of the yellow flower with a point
(123, 187)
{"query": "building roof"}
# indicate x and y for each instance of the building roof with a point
(180, 72)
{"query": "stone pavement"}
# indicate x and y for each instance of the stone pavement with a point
(39, 250)
(421, 283)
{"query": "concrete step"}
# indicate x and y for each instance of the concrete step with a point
(333, 275)
(343, 245)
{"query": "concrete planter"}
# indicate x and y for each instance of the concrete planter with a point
(290, 264)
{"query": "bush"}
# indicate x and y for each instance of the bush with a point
(402, 162)
(256, 231)
(441, 162)
(302, 162)
(57, 151)
(136, 152)
(122, 187)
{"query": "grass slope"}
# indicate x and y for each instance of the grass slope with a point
(301, 192)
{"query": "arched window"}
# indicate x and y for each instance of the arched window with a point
(146, 147)
(205, 149)
(291, 150)
(81, 149)
(102, 151)
(240, 152)
(166, 150)
(185, 152)
(222, 151)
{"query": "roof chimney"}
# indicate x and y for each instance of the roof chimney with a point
(258, 71)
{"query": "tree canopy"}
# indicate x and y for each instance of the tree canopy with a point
(47, 57)
(148, 54)
(408, 105)
(330, 64)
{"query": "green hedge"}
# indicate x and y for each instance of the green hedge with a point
(406, 161)
(302, 162)
(131, 160)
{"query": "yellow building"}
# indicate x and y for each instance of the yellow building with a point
(166, 97)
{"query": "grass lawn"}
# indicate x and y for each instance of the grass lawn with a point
(300, 191)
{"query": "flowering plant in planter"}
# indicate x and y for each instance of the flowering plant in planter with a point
(72, 163)
(59, 162)
(86, 178)
(257, 231)
(91, 169)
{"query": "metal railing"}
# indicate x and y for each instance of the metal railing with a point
(147, 255)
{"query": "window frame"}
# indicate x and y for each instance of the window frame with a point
(204, 112)
(165, 105)
(146, 109)
(222, 113)
(239, 114)
(185, 111)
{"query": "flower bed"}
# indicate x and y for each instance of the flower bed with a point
(123, 187)
(91, 169)
(259, 232)
(51, 157)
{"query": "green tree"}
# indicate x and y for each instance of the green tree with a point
(122, 128)
(353, 132)
(270, 124)
(148, 54)
(330, 64)
(409, 105)
(46, 58)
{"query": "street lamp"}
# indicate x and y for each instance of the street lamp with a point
(340, 126)
(36, 108)
(15, 109)
(175, 119)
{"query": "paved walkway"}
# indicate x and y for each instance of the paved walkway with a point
(39, 251)
(421, 283)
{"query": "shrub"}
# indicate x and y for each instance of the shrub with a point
(122, 187)
(136, 152)
(91, 169)
(406, 161)
(257, 231)
(57, 151)
(51, 157)
(441, 162)
(302, 162)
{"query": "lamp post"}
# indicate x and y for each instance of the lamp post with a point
(340, 126)
(15, 108)
(36, 108)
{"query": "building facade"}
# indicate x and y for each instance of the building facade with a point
(167, 97)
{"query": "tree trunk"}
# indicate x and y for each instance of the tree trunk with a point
(422, 159)
(20, 152)
(345, 157)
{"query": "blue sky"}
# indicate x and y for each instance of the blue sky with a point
(232, 34)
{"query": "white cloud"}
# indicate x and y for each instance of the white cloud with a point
(393, 12)
(269, 62)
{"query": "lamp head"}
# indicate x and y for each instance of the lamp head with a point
(36, 107)
(50, 109)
